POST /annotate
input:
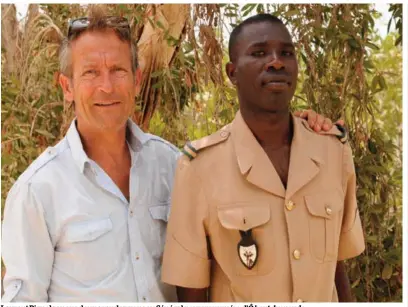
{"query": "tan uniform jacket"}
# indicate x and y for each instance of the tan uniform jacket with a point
(300, 232)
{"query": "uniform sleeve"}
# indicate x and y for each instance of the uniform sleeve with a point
(27, 251)
(185, 260)
(351, 237)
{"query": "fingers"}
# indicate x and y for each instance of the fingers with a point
(301, 114)
(327, 124)
(312, 120)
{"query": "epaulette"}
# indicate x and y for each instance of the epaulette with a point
(337, 130)
(191, 149)
(49, 154)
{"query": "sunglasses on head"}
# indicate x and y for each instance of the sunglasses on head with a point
(80, 24)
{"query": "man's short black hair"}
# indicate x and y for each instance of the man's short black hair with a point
(251, 20)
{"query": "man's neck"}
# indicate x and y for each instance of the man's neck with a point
(272, 130)
(102, 146)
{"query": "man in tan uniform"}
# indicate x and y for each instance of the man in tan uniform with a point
(264, 209)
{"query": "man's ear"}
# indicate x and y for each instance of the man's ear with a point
(230, 69)
(67, 88)
(138, 80)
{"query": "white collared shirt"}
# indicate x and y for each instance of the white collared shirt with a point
(69, 234)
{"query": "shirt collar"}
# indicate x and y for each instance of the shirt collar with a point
(135, 137)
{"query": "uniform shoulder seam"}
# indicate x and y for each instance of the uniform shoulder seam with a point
(191, 149)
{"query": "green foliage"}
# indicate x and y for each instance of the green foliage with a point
(346, 71)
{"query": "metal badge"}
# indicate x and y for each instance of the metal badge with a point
(247, 249)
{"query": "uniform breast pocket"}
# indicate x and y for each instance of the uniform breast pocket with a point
(92, 245)
(158, 223)
(244, 217)
(325, 216)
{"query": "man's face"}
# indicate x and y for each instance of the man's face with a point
(103, 85)
(265, 67)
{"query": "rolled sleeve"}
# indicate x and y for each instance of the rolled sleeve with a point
(185, 260)
(27, 250)
(351, 237)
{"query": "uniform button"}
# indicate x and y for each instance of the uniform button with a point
(144, 298)
(299, 301)
(296, 254)
(290, 205)
(131, 212)
(137, 257)
(328, 210)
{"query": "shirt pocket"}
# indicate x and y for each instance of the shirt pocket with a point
(159, 215)
(88, 231)
(324, 217)
(245, 216)
(91, 244)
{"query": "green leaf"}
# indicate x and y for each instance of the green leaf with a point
(291, 13)
(157, 73)
(45, 133)
(372, 46)
(382, 82)
(398, 41)
(355, 283)
(353, 43)
(387, 272)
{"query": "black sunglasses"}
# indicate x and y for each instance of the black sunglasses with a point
(79, 24)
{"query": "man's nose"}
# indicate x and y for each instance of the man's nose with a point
(274, 62)
(106, 84)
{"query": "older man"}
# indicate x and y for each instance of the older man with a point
(87, 220)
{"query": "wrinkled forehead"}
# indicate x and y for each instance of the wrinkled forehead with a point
(104, 42)
(264, 31)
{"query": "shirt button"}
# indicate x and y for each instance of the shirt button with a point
(296, 254)
(144, 298)
(328, 210)
(299, 301)
(290, 205)
(131, 212)
(137, 257)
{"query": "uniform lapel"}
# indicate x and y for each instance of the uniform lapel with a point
(305, 158)
(252, 160)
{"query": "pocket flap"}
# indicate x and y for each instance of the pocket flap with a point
(11, 291)
(244, 216)
(323, 205)
(160, 212)
(88, 230)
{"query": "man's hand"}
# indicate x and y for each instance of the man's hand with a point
(342, 283)
(316, 121)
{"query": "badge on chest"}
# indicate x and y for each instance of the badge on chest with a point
(247, 249)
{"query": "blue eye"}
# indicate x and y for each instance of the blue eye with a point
(90, 72)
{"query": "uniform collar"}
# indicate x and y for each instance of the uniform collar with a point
(135, 137)
(254, 164)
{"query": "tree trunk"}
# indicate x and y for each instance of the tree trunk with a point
(156, 54)
(9, 37)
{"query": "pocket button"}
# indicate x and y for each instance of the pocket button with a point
(296, 254)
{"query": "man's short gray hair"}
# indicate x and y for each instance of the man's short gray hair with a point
(97, 22)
